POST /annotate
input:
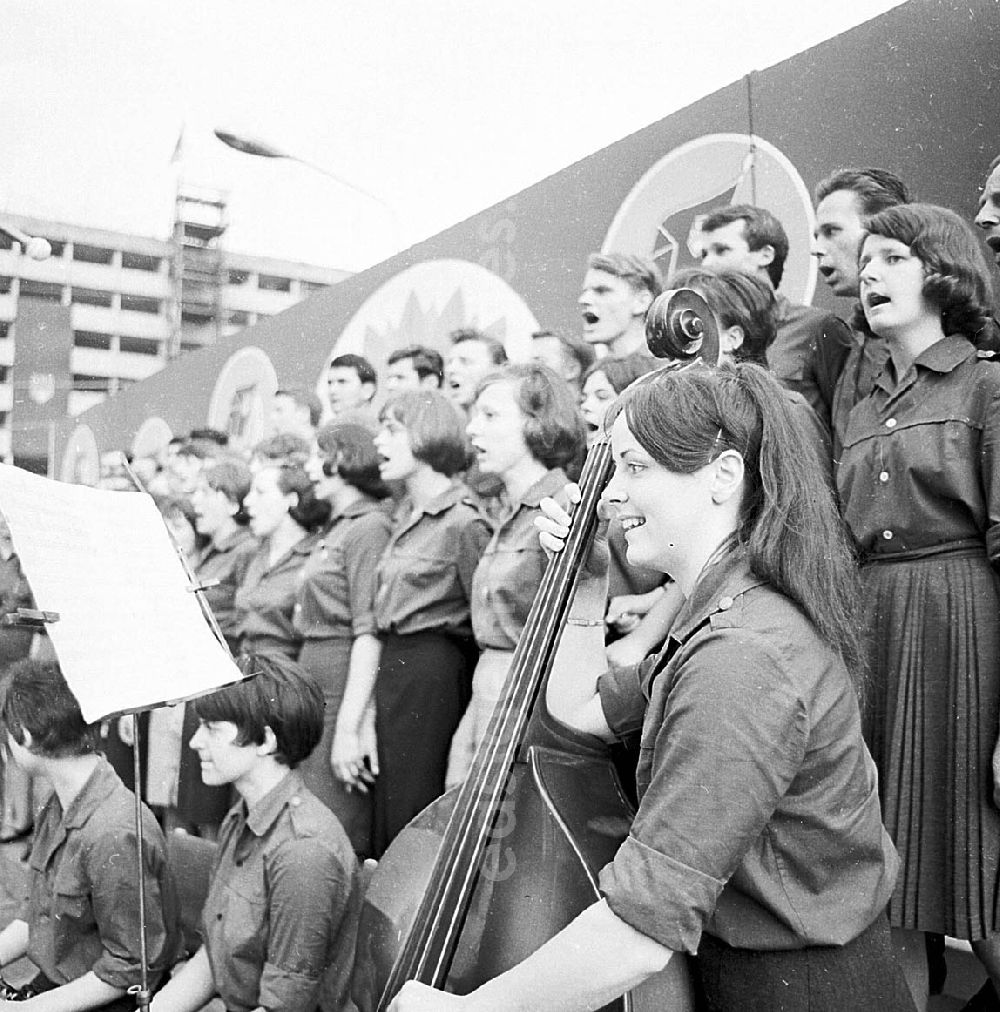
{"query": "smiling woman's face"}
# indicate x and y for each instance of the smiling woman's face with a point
(661, 512)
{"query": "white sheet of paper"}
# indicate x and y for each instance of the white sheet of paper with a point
(130, 633)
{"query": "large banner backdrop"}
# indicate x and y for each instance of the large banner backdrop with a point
(913, 91)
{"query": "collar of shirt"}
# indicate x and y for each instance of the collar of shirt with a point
(717, 590)
(100, 784)
(549, 484)
(227, 544)
(303, 547)
(265, 813)
(408, 517)
(942, 357)
(358, 508)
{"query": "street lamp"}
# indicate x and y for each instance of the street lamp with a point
(32, 246)
(249, 145)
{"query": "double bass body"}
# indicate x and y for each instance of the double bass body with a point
(562, 819)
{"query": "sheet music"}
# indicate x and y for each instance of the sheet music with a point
(130, 633)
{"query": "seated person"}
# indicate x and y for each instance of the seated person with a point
(81, 924)
(278, 922)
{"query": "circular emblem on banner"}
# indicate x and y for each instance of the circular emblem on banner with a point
(81, 462)
(153, 436)
(661, 217)
(246, 383)
(425, 303)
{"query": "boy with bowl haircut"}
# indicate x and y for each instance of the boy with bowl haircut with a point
(278, 923)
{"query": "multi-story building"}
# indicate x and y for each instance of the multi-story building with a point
(136, 302)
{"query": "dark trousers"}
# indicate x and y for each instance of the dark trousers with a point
(861, 975)
(421, 692)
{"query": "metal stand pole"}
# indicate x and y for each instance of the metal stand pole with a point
(141, 990)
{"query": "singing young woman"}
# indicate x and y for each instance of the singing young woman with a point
(524, 428)
(919, 483)
(422, 605)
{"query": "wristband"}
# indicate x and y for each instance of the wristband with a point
(585, 621)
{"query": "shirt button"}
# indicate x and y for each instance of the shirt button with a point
(883, 477)
(295, 801)
(725, 603)
(887, 535)
(890, 423)
(218, 917)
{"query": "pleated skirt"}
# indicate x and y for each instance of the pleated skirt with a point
(931, 720)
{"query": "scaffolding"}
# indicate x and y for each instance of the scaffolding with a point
(198, 274)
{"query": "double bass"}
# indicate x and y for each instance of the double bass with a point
(485, 875)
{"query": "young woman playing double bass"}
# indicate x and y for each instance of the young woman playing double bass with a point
(758, 841)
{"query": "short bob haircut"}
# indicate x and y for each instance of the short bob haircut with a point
(435, 428)
(956, 276)
(620, 372)
(308, 512)
(553, 427)
(348, 451)
(36, 698)
(232, 478)
(739, 300)
(277, 694)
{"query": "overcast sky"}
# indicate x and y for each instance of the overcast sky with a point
(438, 107)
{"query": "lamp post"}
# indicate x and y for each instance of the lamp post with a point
(259, 148)
(32, 246)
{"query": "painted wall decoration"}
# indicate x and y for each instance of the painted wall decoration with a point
(153, 436)
(424, 303)
(245, 386)
(81, 458)
(661, 216)
(912, 91)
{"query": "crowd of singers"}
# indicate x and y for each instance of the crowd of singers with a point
(392, 554)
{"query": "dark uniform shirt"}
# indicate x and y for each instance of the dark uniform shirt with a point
(265, 601)
(425, 573)
(83, 906)
(759, 819)
(920, 470)
(279, 919)
(337, 591)
(508, 575)
(866, 359)
(226, 562)
(808, 353)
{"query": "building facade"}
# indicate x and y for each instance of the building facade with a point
(135, 303)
